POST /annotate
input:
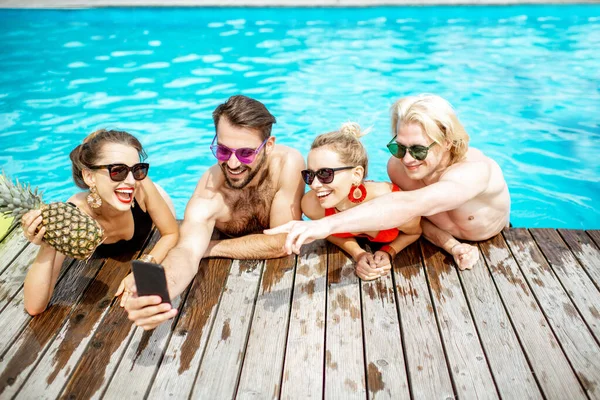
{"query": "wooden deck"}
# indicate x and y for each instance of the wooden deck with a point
(524, 323)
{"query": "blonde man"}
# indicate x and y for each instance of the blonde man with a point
(461, 192)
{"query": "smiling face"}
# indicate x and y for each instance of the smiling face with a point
(237, 174)
(332, 194)
(116, 195)
(410, 135)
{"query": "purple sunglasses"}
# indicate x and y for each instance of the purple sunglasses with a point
(244, 155)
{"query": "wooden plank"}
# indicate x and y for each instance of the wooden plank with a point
(466, 360)
(13, 276)
(344, 355)
(305, 352)
(14, 318)
(101, 357)
(111, 337)
(135, 373)
(425, 360)
(595, 235)
(32, 343)
(505, 356)
(550, 367)
(585, 250)
(263, 364)
(11, 246)
(136, 370)
(177, 372)
(384, 356)
(221, 365)
(54, 369)
(571, 331)
(573, 277)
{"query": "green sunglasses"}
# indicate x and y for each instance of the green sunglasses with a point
(417, 151)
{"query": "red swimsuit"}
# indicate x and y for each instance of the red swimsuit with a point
(384, 236)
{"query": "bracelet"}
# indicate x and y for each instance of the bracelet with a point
(390, 250)
(149, 258)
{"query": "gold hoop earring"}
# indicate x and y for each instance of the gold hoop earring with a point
(93, 199)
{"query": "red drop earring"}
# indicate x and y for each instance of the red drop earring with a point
(357, 193)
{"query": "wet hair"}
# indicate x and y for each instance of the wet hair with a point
(346, 143)
(245, 112)
(87, 153)
(436, 117)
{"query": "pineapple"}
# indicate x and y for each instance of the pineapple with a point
(68, 229)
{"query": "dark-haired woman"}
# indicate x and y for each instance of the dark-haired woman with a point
(119, 195)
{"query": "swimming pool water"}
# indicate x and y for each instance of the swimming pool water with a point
(524, 80)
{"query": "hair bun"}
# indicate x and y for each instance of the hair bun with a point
(351, 128)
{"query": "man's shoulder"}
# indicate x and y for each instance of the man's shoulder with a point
(213, 176)
(287, 154)
(474, 165)
(210, 183)
(286, 160)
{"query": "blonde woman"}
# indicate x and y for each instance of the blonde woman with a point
(461, 192)
(337, 167)
(119, 195)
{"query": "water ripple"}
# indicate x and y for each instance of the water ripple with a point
(524, 81)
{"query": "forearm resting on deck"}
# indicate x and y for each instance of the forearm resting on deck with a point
(401, 242)
(349, 245)
(437, 236)
(249, 247)
(162, 247)
(41, 278)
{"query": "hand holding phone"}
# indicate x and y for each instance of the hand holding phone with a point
(150, 280)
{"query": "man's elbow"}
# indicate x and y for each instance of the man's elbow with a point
(34, 310)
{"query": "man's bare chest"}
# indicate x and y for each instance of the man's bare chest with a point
(249, 210)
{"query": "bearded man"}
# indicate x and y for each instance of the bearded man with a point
(255, 185)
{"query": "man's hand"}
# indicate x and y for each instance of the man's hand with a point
(300, 232)
(148, 312)
(366, 267)
(465, 255)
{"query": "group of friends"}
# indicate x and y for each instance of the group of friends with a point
(439, 188)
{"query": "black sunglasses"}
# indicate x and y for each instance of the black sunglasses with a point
(324, 175)
(119, 172)
(417, 151)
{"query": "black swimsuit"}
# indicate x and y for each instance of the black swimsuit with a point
(142, 226)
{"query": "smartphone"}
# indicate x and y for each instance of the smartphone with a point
(150, 280)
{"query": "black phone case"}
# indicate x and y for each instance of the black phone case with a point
(150, 280)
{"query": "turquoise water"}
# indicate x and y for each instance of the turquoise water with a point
(525, 82)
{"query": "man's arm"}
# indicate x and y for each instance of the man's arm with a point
(285, 208)
(437, 236)
(249, 247)
(181, 263)
(395, 209)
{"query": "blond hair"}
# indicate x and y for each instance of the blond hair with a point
(346, 143)
(436, 117)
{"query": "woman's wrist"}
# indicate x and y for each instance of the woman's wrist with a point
(357, 256)
(149, 258)
(389, 250)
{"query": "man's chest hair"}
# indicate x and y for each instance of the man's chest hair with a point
(249, 208)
